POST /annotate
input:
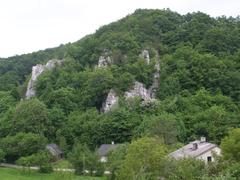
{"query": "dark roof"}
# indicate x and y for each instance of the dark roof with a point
(55, 148)
(188, 151)
(104, 149)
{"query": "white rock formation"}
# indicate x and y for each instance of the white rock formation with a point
(36, 72)
(145, 55)
(104, 61)
(156, 78)
(111, 101)
(147, 95)
(138, 90)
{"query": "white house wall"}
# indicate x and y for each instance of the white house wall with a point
(204, 156)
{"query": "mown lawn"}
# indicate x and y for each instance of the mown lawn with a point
(17, 174)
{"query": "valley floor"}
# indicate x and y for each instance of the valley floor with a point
(17, 174)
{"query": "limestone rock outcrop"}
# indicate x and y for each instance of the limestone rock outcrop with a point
(138, 90)
(104, 61)
(36, 72)
(147, 95)
(145, 56)
(111, 101)
(156, 78)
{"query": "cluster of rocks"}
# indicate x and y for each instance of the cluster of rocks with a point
(111, 101)
(36, 72)
(105, 59)
(145, 56)
(156, 78)
(138, 90)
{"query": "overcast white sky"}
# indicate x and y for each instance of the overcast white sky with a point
(31, 25)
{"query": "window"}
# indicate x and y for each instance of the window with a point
(209, 159)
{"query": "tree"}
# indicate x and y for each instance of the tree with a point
(230, 145)
(2, 155)
(118, 125)
(95, 87)
(82, 127)
(40, 159)
(188, 168)
(145, 158)
(6, 101)
(30, 116)
(163, 126)
(63, 99)
(84, 160)
(22, 144)
(115, 159)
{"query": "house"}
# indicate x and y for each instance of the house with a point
(199, 149)
(55, 150)
(104, 150)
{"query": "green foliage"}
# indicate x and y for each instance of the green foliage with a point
(95, 87)
(2, 155)
(203, 114)
(22, 144)
(198, 93)
(12, 174)
(162, 126)
(84, 160)
(6, 101)
(188, 168)
(230, 145)
(145, 158)
(115, 159)
(46, 168)
(82, 127)
(30, 116)
(40, 159)
(63, 99)
(119, 125)
(234, 170)
(187, 69)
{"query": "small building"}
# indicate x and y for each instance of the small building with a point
(55, 150)
(199, 149)
(104, 150)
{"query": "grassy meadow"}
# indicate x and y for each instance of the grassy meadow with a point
(18, 174)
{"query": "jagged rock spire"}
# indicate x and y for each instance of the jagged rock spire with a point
(111, 101)
(145, 56)
(36, 72)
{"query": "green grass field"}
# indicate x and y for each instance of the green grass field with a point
(16, 174)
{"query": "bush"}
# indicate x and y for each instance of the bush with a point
(22, 145)
(2, 155)
(83, 159)
(41, 159)
(46, 168)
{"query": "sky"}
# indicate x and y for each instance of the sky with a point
(31, 25)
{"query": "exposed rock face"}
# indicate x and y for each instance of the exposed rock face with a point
(147, 95)
(111, 101)
(104, 61)
(145, 55)
(156, 77)
(138, 90)
(36, 72)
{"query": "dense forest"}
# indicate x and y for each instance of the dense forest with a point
(198, 95)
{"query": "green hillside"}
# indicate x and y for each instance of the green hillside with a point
(198, 95)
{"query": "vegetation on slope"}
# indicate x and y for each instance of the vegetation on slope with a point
(199, 91)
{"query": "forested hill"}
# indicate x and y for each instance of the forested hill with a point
(199, 90)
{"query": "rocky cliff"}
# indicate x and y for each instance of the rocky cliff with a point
(138, 90)
(110, 102)
(36, 72)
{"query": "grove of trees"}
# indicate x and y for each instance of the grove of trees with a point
(199, 95)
